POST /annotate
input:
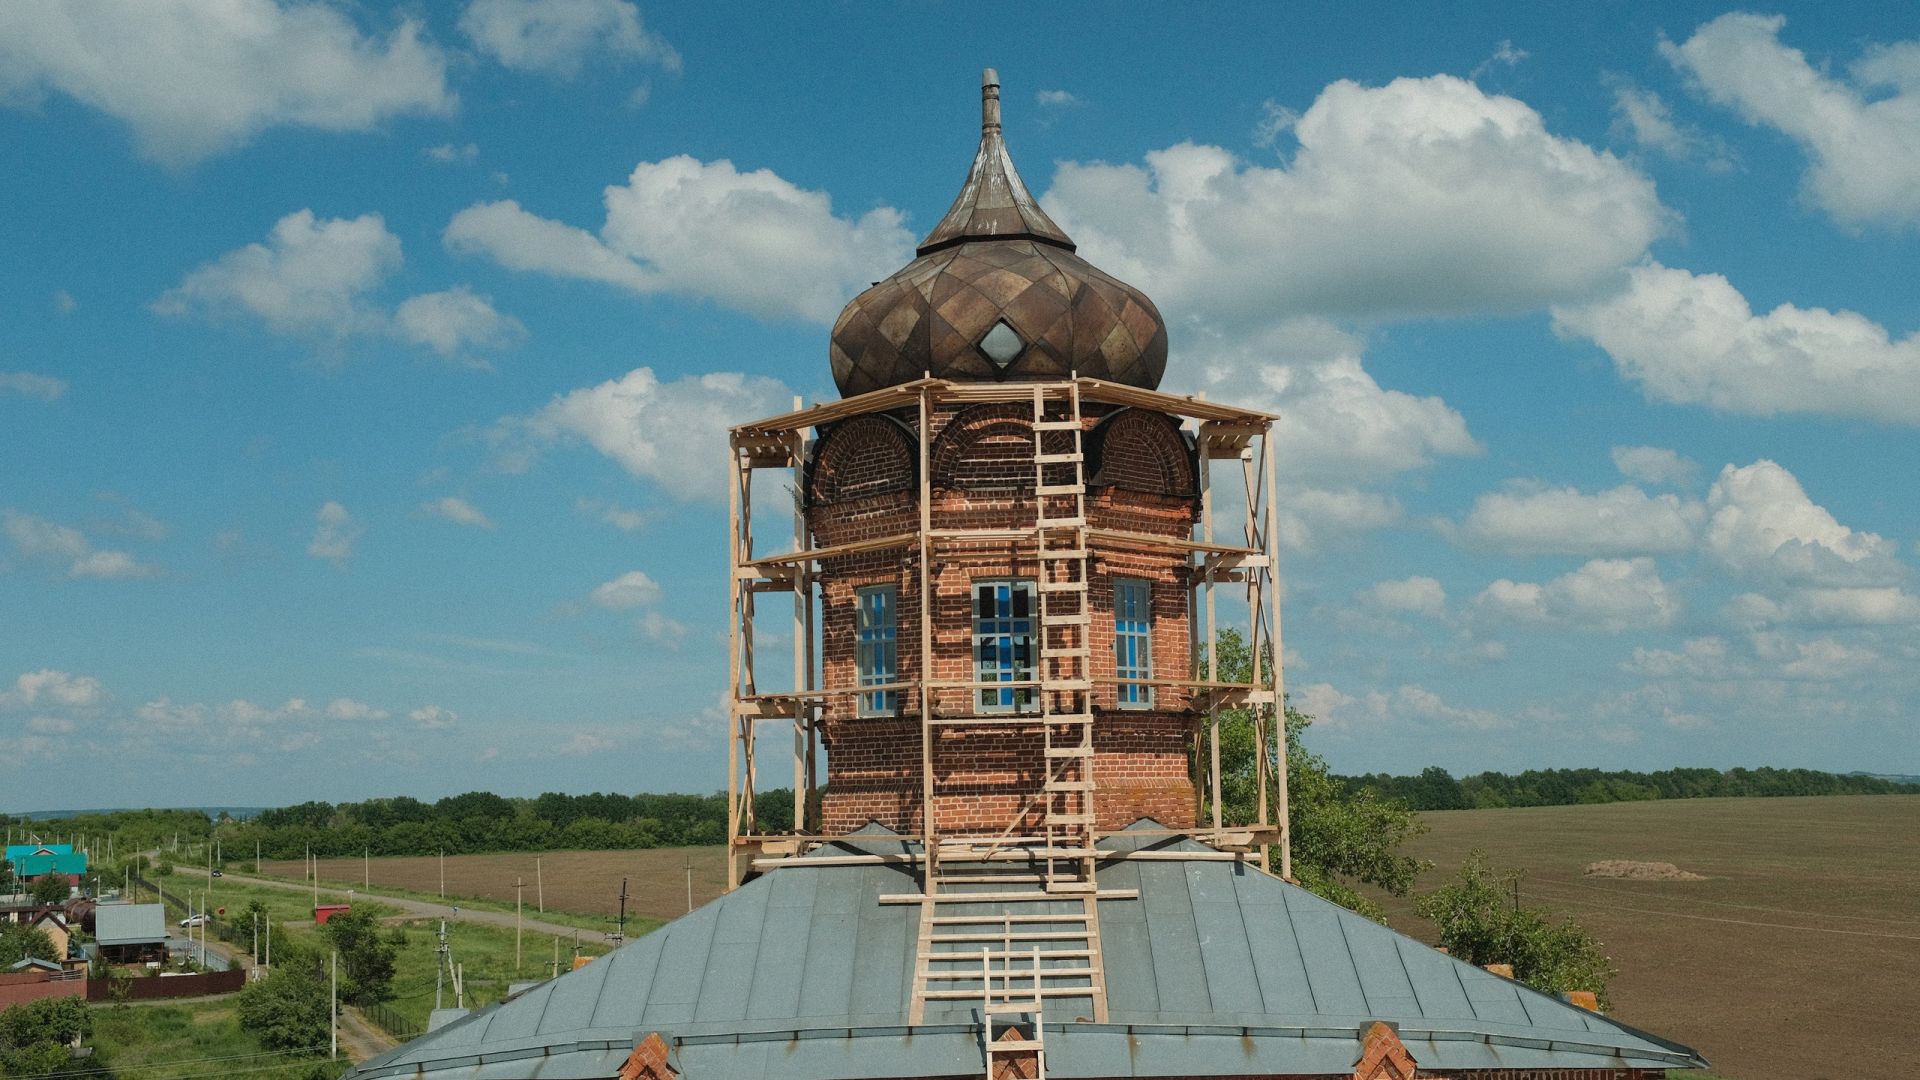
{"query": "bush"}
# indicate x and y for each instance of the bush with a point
(34, 1036)
(288, 1010)
(1482, 922)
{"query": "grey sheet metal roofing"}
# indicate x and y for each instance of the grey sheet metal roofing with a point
(129, 924)
(1216, 969)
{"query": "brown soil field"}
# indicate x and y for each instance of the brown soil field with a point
(1796, 957)
(580, 882)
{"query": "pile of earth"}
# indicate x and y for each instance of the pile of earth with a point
(1640, 871)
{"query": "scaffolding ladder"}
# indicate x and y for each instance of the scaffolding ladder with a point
(1041, 866)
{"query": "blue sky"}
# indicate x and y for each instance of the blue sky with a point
(365, 368)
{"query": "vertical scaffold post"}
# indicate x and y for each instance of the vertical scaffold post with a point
(734, 717)
(802, 625)
(1279, 660)
(931, 850)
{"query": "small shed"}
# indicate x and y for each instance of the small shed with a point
(327, 911)
(131, 933)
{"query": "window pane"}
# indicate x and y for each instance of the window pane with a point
(1003, 645)
(1132, 641)
(876, 648)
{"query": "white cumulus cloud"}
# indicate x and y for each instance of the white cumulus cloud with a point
(1862, 132)
(630, 590)
(37, 538)
(1693, 339)
(317, 277)
(556, 37)
(1606, 594)
(1655, 465)
(194, 79)
(334, 534)
(49, 688)
(1762, 523)
(1414, 595)
(453, 319)
(434, 717)
(30, 384)
(1421, 196)
(672, 433)
(751, 241)
(457, 510)
(1528, 519)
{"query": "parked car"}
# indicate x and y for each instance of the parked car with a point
(194, 920)
(217, 873)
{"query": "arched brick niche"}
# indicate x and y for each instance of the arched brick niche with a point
(1143, 451)
(861, 458)
(985, 449)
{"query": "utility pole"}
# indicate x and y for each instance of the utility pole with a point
(620, 932)
(333, 1002)
(256, 935)
(441, 962)
(256, 856)
(314, 868)
(269, 960)
(366, 868)
(539, 887)
(443, 873)
(689, 883)
(518, 885)
(556, 957)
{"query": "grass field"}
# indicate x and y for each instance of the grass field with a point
(167, 1042)
(1794, 960)
(577, 882)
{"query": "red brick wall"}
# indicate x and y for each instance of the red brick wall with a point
(862, 486)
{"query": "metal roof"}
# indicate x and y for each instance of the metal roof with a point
(1217, 969)
(129, 924)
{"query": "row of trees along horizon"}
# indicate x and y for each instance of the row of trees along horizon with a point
(1347, 831)
(480, 821)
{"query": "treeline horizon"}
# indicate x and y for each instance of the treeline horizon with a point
(1434, 788)
(478, 821)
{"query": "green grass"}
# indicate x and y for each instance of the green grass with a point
(486, 954)
(636, 925)
(154, 1042)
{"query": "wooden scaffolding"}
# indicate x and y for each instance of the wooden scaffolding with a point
(1064, 675)
(1026, 893)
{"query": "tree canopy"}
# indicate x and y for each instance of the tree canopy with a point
(1341, 837)
(1481, 921)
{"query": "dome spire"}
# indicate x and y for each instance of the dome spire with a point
(993, 204)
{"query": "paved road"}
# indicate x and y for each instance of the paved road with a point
(417, 908)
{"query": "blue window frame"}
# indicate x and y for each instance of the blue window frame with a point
(877, 647)
(1133, 640)
(1003, 642)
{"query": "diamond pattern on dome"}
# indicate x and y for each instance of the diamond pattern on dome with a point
(1002, 344)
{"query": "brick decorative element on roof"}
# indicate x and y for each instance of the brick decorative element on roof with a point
(1383, 1056)
(648, 1061)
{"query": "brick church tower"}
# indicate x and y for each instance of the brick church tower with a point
(1007, 571)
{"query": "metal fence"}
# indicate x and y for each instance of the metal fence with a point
(390, 1021)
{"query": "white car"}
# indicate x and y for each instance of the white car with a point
(194, 920)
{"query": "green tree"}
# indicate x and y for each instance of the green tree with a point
(34, 1037)
(1482, 921)
(366, 958)
(50, 889)
(19, 941)
(1340, 838)
(288, 1010)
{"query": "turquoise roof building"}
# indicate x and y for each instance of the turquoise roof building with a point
(37, 860)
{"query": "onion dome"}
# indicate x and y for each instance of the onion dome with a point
(997, 294)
